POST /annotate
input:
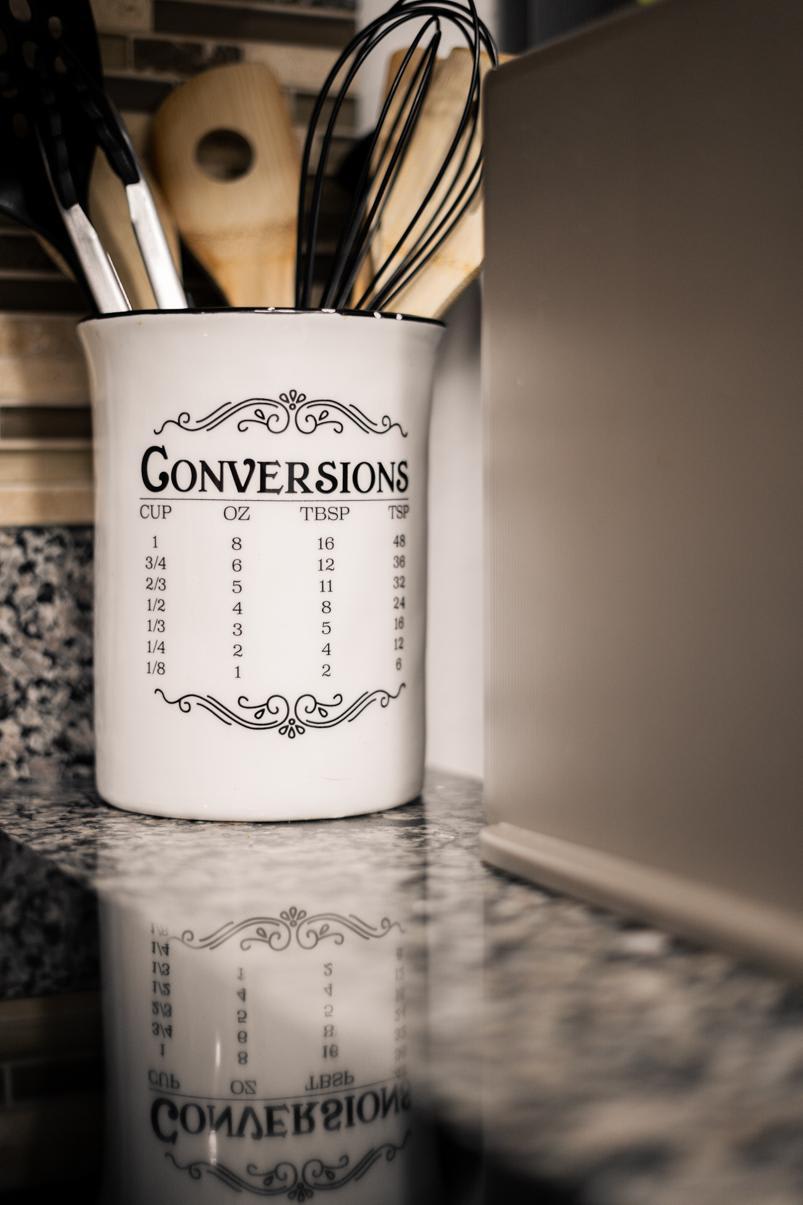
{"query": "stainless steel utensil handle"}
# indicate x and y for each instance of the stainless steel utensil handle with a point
(150, 235)
(99, 270)
(104, 283)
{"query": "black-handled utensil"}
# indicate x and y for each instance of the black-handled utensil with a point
(54, 65)
(110, 135)
(48, 170)
(25, 192)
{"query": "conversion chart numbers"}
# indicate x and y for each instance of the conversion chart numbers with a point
(161, 989)
(241, 1020)
(329, 1046)
(326, 564)
(155, 582)
(236, 570)
(399, 586)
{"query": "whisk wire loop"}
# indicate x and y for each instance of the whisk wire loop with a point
(356, 235)
(445, 197)
(360, 47)
(425, 243)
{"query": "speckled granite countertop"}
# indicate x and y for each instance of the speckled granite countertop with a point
(603, 1062)
(46, 653)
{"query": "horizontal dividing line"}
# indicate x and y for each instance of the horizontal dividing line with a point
(45, 444)
(301, 8)
(260, 1100)
(64, 317)
(297, 501)
(45, 272)
(38, 425)
(244, 22)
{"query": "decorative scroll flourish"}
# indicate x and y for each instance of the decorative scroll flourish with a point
(286, 1179)
(292, 924)
(291, 719)
(276, 415)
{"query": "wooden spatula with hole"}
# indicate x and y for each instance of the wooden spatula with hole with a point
(227, 160)
(458, 261)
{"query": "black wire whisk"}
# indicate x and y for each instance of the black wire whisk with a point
(445, 197)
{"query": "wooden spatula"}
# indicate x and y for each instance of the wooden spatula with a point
(458, 261)
(242, 227)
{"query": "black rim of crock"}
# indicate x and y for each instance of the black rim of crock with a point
(236, 309)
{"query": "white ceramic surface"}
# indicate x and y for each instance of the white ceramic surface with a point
(260, 561)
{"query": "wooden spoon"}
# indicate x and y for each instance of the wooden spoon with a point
(459, 259)
(227, 159)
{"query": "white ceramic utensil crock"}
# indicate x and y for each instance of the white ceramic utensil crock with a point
(260, 560)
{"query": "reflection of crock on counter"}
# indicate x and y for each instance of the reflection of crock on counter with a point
(261, 560)
(292, 1076)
